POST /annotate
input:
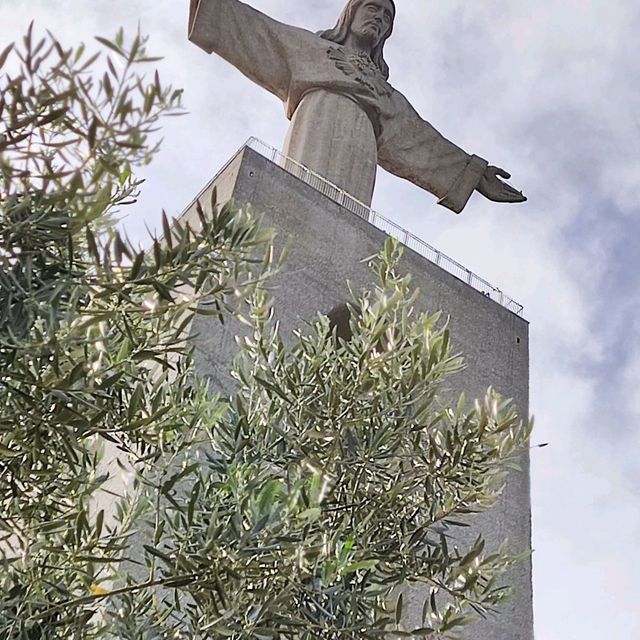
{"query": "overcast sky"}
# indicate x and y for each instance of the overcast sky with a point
(549, 90)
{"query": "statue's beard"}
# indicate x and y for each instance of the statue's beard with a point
(369, 34)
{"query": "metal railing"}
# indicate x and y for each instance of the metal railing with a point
(384, 224)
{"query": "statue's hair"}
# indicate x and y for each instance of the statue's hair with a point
(340, 32)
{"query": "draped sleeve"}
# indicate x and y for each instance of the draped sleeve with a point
(261, 48)
(411, 148)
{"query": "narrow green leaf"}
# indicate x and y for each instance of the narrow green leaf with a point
(398, 615)
(5, 54)
(158, 554)
(99, 523)
(110, 45)
(91, 135)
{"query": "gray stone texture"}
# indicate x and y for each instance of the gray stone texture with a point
(326, 247)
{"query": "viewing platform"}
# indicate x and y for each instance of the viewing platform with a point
(356, 207)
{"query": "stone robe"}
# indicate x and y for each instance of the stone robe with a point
(345, 117)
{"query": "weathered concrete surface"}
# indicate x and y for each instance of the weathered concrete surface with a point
(326, 246)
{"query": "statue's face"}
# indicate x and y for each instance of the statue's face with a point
(372, 21)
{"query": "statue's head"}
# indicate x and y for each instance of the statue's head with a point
(370, 20)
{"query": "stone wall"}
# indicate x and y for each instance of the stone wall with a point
(326, 247)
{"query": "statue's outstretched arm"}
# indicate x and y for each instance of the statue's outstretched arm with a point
(411, 148)
(259, 46)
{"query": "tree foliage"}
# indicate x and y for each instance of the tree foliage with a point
(298, 508)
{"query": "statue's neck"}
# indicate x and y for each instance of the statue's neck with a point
(357, 44)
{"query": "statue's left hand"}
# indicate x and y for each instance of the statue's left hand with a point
(491, 187)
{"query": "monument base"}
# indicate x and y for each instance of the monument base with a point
(327, 243)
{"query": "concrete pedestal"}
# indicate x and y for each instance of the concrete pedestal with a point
(327, 244)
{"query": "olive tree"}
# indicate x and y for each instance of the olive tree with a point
(300, 506)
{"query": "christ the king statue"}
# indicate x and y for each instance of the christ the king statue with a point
(345, 117)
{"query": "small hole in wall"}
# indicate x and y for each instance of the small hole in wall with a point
(340, 323)
(518, 340)
(251, 174)
(339, 319)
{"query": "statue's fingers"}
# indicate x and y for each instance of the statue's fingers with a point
(518, 197)
(513, 195)
(506, 187)
(502, 173)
